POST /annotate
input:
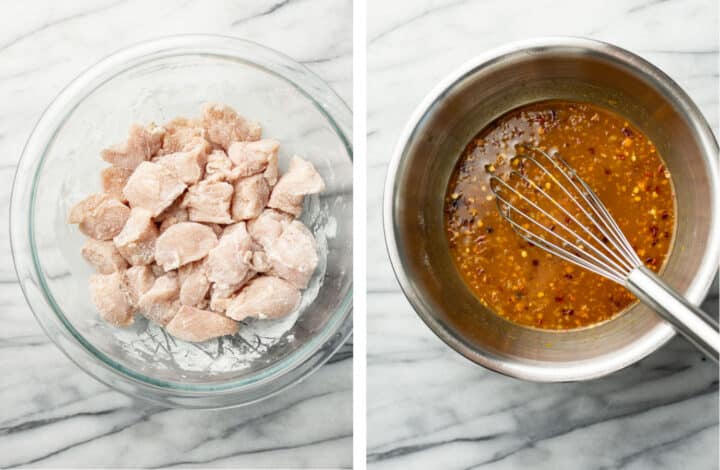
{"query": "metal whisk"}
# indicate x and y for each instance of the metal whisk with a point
(575, 225)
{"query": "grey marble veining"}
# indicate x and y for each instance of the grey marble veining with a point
(54, 415)
(430, 408)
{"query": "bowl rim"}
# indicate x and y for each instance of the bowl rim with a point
(297, 364)
(650, 341)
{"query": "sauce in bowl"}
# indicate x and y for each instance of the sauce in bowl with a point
(521, 282)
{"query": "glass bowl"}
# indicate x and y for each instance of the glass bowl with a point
(155, 82)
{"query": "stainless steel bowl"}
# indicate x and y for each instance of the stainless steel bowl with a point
(484, 89)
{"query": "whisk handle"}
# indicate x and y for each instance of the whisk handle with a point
(691, 322)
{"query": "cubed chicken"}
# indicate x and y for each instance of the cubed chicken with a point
(228, 264)
(160, 303)
(209, 201)
(136, 241)
(153, 187)
(195, 325)
(219, 167)
(110, 296)
(113, 180)
(252, 158)
(183, 243)
(194, 284)
(103, 255)
(293, 255)
(189, 165)
(138, 279)
(224, 126)
(182, 134)
(264, 297)
(100, 216)
(300, 180)
(250, 197)
(142, 144)
(268, 226)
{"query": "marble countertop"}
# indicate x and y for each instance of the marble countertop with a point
(430, 408)
(53, 414)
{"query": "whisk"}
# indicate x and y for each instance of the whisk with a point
(575, 225)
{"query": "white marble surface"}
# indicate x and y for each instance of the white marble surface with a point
(51, 413)
(430, 408)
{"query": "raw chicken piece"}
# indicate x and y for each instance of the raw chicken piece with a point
(194, 284)
(228, 264)
(264, 297)
(271, 173)
(103, 255)
(138, 279)
(99, 216)
(293, 256)
(111, 298)
(300, 180)
(189, 166)
(153, 187)
(195, 325)
(224, 126)
(142, 144)
(217, 228)
(268, 226)
(160, 303)
(183, 243)
(136, 241)
(251, 158)
(209, 201)
(220, 298)
(113, 180)
(182, 134)
(250, 197)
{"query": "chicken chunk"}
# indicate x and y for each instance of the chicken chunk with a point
(264, 297)
(252, 158)
(160, 303)
(183, 243)
(136, 241)
(250, 197)
(293, 255)
(138, 279)
(268, 226)
(189, 165)
(153, 187)
(195, 325)
(194, 284)
(182, 134)
(113, 180)
(99, 216)
(224, 126)
(110, 296)
(142, 143)
(103, 255)
(260, 262)
(209, 201)
(228, 264)
(300, 180)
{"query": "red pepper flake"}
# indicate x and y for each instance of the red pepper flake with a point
(568, 311)
(654, 230)
(591, 150)
(620, 156)
(559, 298)
(568, 276)
(607, 171)
(651, 261)
(661, 169)
(535, 262)
(627, 132)
(664, 215)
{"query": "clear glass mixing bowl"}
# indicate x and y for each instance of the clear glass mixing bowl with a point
(156, 81)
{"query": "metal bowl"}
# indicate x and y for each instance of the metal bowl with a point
(481, 91)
